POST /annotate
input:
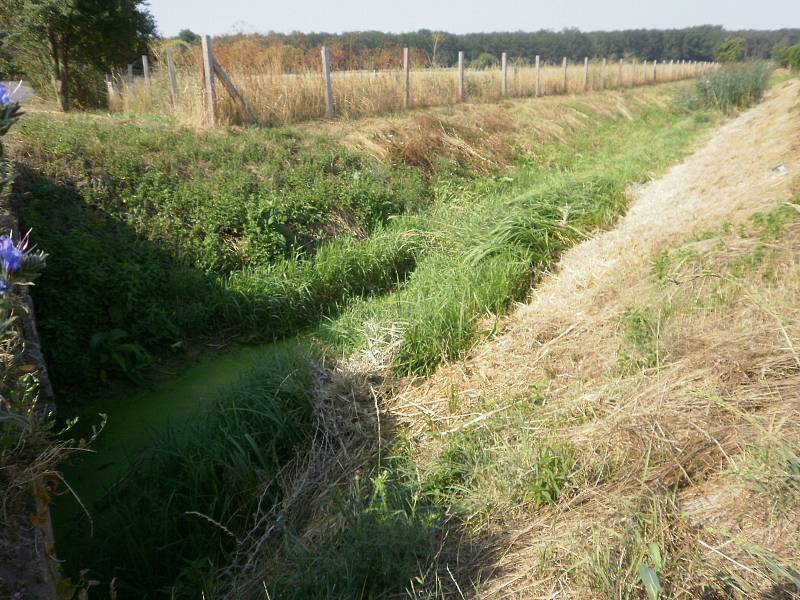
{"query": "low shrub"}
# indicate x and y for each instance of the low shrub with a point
(788, 57)
(730, 87)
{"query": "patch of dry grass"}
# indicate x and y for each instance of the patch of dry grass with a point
(686, 460)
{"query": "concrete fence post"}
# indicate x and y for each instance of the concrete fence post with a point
(504, 74)
(585, 73)
(146, 69)
(210, 83)
(173, 78)
(604, 74)
(330, 110)
(109, 88)
(406, 79)
(538, 77)
(564, 68)
(460, 75)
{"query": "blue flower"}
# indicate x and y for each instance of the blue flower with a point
(10, 254)
(5, 99)
(3, 285)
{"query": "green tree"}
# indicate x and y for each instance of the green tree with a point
(188, 36)
(485, 60)
(68, 44)
(731, 50)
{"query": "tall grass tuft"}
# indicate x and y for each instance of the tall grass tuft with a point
(731, 87)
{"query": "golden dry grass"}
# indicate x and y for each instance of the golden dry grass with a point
(277, 97)
(679, 450)
(487, 136)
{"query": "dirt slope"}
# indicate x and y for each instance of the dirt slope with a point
(681, 428)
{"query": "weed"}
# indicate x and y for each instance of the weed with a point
(384, 532)
(180, 227)
(640, 348)
(774, 473)
(488, 239)
(637, 559)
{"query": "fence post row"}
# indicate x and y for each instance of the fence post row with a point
(173, 79)
(407, 73)
(208, 77)
(146, 69)
(504, 74)
(211, 70)
(330, 110)
(460, 75)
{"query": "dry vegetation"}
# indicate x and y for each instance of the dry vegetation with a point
(659, 366)
(277, 96)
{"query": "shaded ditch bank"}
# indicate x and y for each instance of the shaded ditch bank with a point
(132, 421)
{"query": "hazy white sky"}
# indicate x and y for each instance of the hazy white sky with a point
(463, 16)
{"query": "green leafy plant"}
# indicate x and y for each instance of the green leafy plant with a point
(113, 352)
(650, 575)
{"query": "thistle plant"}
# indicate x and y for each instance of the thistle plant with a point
(20, 265)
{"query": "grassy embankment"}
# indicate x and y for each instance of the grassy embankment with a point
(469, 254)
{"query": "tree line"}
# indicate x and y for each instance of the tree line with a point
(441, 48)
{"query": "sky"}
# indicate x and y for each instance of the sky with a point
(213, 17)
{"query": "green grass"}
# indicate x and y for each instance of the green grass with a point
(384, 530)
(160, 236)
(640, 339)
(487, 241)
(419, 285)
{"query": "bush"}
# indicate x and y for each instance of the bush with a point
(485, 60)
(729, 87)
(788, 57)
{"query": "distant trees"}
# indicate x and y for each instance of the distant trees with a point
(64, 45)
(731, 50)
(441, 48)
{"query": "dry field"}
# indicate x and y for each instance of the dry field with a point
(278, 98)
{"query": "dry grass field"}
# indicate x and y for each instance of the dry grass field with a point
(278, 98)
